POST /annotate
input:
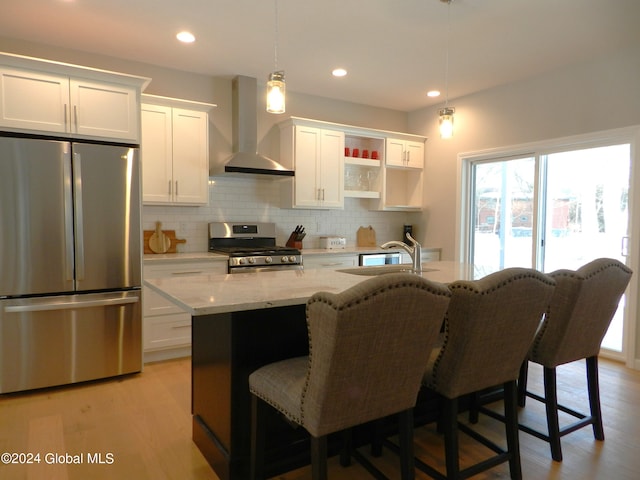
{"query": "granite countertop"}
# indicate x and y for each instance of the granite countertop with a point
(210, 294)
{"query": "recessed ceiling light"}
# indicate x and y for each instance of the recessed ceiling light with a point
(186, 37)
(339, 72)
(433, 93)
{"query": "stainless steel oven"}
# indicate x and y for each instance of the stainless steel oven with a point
(251, 247)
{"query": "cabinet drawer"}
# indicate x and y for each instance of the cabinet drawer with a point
(167, 331)
(156, 304)
(330, 261)
(186, 268)
(430, 256)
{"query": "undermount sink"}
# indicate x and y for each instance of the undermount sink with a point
(381, 270)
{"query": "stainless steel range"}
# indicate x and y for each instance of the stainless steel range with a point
(252, 247)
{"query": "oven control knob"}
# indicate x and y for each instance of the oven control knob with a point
(292, 258)
(252, 260)
(284, 259)
(242, 261)
(268, 260)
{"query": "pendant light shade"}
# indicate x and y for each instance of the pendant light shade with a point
(275, 85)
(276, 93)
(445, 120)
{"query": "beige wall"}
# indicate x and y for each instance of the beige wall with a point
(599, 95)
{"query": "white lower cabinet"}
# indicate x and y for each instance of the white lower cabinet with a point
(428, 255)
(167, 328)
(332, 261)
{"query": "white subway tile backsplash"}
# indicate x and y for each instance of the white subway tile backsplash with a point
(251, 199)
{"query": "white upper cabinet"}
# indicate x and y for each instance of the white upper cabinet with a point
(103, 110)
(175, 151)
(34, 101)
(39, 96)
(317, 157)
(404, 153)
(157, 156)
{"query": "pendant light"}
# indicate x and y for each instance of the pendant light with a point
(276, 85)
(445, 115)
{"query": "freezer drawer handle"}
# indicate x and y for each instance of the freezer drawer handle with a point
(69, 305)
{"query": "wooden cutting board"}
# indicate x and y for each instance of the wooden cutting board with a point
(366, 237)
(168, 241)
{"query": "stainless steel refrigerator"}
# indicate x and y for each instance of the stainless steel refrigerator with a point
(70, 262)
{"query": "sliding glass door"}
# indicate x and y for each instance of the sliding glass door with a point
(551, 210)
(587, 213)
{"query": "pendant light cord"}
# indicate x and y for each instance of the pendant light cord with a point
(446, 57)
(275, 42)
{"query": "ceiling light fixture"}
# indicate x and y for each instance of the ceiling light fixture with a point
(186, 37)
(339, 72)
(433, 93)
(445, 115)
(276, 85)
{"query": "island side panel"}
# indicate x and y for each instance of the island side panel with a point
(226, 349)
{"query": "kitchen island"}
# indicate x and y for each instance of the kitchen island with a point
(241, 322)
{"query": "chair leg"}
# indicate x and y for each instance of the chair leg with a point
(474, 407)
(407, 460)
(594, 397)
(258, 435)
(522, 383)
(347, 443)
(378, 437)
(511, 429)
(450, 427)
(319, 458)
(551, 405)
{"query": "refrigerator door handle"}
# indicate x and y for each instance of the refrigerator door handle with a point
(39, 307)
(68, 215)
(77, 171)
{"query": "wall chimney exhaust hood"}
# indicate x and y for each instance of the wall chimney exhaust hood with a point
(245, 159)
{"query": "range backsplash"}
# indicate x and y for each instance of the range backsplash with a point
(255, 199)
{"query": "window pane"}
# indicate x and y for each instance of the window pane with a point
(587, 213)
(503, 213)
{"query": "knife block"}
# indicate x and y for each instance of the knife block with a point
(293, 243)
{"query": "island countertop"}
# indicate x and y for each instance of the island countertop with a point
(211, 294)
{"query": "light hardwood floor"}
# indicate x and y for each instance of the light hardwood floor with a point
(144, 422)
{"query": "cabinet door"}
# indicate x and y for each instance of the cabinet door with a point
(190, 157)
(156, 148)
(414, 154)
(104, 110)
(306, 154)
(34, 101)
(395, 152)
(332, 169)
(404, 153)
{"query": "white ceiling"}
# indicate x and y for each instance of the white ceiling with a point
(394, 50)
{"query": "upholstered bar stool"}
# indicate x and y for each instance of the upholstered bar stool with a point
(579, 315)
(489, 328)
(368, 347)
